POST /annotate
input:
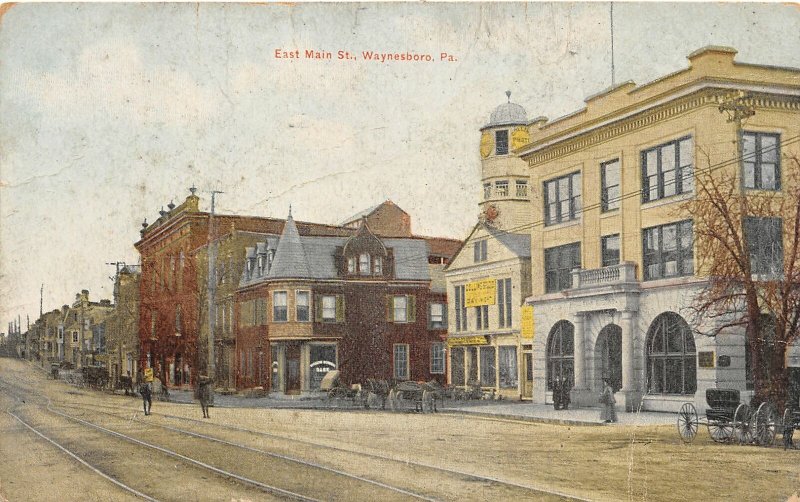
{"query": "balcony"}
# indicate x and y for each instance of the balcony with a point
(606, 276)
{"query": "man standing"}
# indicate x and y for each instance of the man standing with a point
(204, 393)
(146, 390)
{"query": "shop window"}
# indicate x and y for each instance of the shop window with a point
(671, 357)
(558, 265)
(437, 358)
(560, 355)
(562, 199)
(457, 366)
(488, 368)
(509, 378)
(668, 250)
(609, 245)
(761, 160)
(609, 182)
(302, 299)
(279, 306)
(401, 361)
(437, 316)
(323, 359)
(667, 170)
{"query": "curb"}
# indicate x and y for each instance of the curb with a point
(525, 418)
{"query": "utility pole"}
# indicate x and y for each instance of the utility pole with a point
(211, 290)
(738, 109)
(41, 300)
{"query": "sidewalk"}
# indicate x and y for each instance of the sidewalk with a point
(513, 410)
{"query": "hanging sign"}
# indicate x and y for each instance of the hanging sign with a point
(483, 292)
(467, 340)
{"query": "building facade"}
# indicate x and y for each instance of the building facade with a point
(614, 240)
(366, 305)
(122, 326)
(489, 278)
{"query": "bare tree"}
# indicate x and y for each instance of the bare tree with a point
(748, 247)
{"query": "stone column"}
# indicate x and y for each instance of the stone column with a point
(580, 352)
(630, 385)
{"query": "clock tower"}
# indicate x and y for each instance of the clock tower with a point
(505, 197)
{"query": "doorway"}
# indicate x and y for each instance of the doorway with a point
(527, 375)
(609, 353)
(293, 368)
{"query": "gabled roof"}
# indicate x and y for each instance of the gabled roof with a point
(519, 244)
(367, 212)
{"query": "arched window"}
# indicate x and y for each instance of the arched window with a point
(671, 361)
(560, 354)
(364, 267)
(351, 265)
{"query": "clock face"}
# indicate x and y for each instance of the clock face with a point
(487, 144)
(520, 137)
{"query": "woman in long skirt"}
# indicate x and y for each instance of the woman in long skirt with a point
(608, 414)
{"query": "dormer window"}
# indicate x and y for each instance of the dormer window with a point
(270, 257)
(249, 267)
(377, 265)
(260, 264)
(351, 265)
(364, 264)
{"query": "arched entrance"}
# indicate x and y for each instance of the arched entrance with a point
(560, 354)
(609, 356)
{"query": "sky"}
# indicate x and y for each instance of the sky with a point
(110, 111)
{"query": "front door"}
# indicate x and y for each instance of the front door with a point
(527, 375)
(610, 348)
(293, 368)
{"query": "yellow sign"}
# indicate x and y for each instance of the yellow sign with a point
(467, 340)
(520, 137)
(487, 144)
(526, 321)
(482, 292)
(148, 375)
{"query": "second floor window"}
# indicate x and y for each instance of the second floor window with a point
(667, 170)
(667, 250)
(178, 319)
(610, 249)
(764, 238)
(74, 337)
(329, 308)
(301, 306)
(480, 250)
(562, 199)
(482, 317)
(609, 183)
(279, 306)
(501, 187)
(558, 265)
(436, 316)
(504, 303)
(522, 188)
(760, 160)
(401, 308)
(460, 308)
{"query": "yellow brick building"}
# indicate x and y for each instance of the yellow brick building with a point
(612, 247)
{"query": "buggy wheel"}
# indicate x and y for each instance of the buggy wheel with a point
(766, 424)
(720, 432)
(742, 424)
(687, 422)
(787, 418)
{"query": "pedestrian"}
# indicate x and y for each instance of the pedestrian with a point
(146, 390)
(608, 414)
(204, 393)
(566, 386)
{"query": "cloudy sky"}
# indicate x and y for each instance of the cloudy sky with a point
(109, 111)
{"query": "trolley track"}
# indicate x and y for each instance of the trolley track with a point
(518, 489)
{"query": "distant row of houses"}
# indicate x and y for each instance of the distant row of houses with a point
(580, 267)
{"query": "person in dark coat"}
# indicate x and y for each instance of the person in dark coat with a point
(146, 391)
(204, 393)
(608, 414)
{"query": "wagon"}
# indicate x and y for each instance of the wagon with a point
(375, 392)
(95, 377)
(337, 392)
(421, 394)
(729, 420)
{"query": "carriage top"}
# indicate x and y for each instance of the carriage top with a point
(722, 398)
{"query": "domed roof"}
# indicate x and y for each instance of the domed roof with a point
(508, 114)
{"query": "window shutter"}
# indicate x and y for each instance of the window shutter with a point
(430, 315)
(339, 308)
(389, 309)
(411, 305)
(317, 308)
(444, 315)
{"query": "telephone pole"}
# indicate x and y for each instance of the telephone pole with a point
(212, 292)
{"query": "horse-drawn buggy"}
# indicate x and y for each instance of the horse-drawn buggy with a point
(421, 395)
(339, 393)
(95, 377)
(729, 420)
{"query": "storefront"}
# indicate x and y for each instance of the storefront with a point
(299, 366)
(490, 362)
